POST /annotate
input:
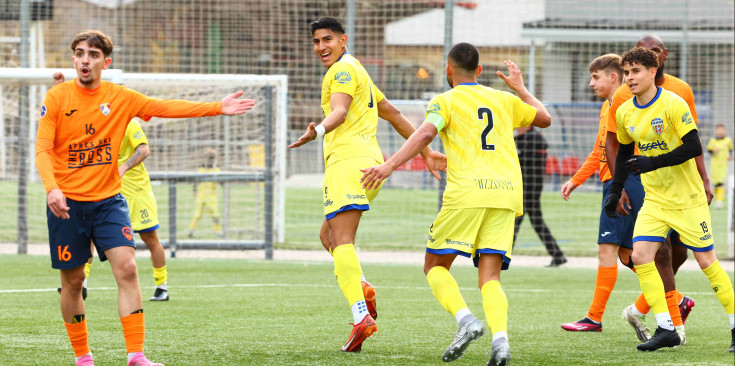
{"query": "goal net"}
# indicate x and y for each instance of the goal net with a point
(240, 159)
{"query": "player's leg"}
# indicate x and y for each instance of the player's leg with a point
(325, 236)
(198, 211)
(158, 259)
(493, 254)
(69, 249)
(679, 254)
(453, 232)
(516, 226)
(213, 207)
(87, 269)
(113, 238)
(666, 271)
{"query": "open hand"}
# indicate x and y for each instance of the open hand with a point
(374, 176)
(57, 203)
(435, 162)
(309, 135)
(232, 106)
(515, 79)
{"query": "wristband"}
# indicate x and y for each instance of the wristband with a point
(320, 131)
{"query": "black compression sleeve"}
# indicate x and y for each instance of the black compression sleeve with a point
(624, 153)
(691, 147)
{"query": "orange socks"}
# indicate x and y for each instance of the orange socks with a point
(606, 278)
(134, 331)
(673, 308)
(642, 305)
(78, 336)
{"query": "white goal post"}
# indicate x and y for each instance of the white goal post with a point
(250, 151)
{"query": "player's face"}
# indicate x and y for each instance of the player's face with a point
(601, 83)
(638, 78)
(329, 46)
(720, 132)
(662, 54)
(89, 62)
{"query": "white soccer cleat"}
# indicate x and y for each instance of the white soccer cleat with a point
(682, 334)
(638, 324)
(470, 330)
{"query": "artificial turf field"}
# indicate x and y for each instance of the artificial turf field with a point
(239, 312)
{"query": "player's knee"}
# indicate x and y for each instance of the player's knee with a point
(74, 282)
(663, 255)
(126, 271)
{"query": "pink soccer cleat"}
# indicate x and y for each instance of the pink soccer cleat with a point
(584, 325)
(85, 360)
(140, 360)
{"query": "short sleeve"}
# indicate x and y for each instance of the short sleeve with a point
(618, 99)
(623, 136)
(689, 98)
(711, 144)
(135, 134)
(729, 144)
(681, 117)
(378, 94)
(436, 114)
(342, 79)
(523, 114)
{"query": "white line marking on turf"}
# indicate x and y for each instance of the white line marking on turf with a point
(325, 286)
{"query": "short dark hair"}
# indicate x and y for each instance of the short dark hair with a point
(609, 63)
(465, 56)
(330, 23)
(95, 39)
(640, 55)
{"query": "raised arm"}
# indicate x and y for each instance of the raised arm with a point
(340, 104)
(515, 82)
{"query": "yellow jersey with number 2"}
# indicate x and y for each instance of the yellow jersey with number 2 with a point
(476, 125)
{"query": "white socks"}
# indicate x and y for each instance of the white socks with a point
(664, 321)
(359, 311)
(461, 314)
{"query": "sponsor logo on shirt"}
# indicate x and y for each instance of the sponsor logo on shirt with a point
(43, 111)
(658, 125)
(343, 77)
(356, 196)
(706, 237)
(632, 129)
(328, 203)
(105, 109)
(687, 118)
(662, 145)
(433, 107)
(138, 135)
(491, 183)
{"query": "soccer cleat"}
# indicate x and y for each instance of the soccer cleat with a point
(557, 261)
(661, 338)
(160, 295)
(687, 303)
(682, 334)
(85, 360)
(638, 324)
(732, 344)
(140, 360)
(584, 325)
(500, 355)
(369, 291)
(84, 292)
(469, 330)
(360, 332)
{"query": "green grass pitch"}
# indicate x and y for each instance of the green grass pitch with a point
(237, 312)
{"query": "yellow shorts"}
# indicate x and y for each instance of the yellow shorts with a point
(694, 225)
(718, 173)
(342, 188)
(206, 202)
(143, 213)
(471, 231)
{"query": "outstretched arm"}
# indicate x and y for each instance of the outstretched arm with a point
(419, 140)
(515, 82)
(340, 104)
(175, 108)
(141, 153)
(435, 161)
(691, 147)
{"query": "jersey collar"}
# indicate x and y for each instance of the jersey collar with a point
(475, 83)
(340, 57)
(658, 94)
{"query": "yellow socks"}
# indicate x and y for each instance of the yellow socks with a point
(496, 307)
(87, 267)
(722, 286)
(720, 193)
(446, 290)
(348, 272)
(160, 276)
(653, 290)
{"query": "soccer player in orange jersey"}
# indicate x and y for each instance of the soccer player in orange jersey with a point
(615, 234)
(79, 135)
(669, 257)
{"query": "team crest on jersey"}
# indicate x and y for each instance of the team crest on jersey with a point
(43, 111)
(343, 77)
(658, 125)
(105, 109)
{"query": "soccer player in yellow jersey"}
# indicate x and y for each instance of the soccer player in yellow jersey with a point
(661, 125)
(721, 149)
(484, 190)
(351, 104)
(206, 194)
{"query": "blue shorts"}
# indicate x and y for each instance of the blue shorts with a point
(619, 230)
(106, 222)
